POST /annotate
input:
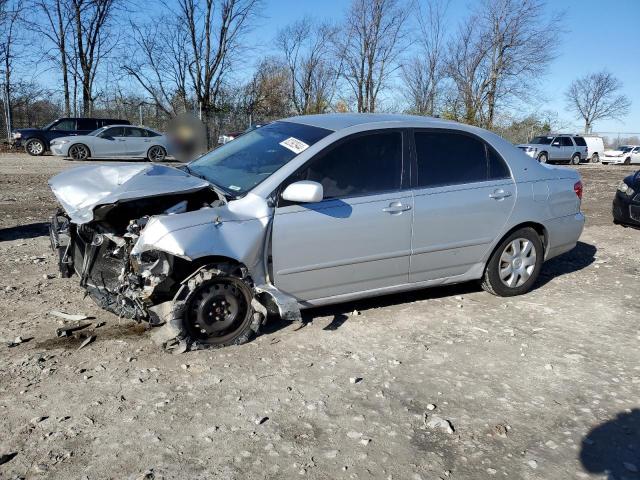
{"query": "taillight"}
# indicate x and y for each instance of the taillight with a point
(577, 187)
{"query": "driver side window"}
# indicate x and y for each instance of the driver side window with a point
(363, 165)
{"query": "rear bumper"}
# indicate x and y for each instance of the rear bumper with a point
(563, 234)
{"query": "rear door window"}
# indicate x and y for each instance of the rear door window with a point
(113, 132)
(134, 132)
(67, 125)
(364, 165)
(450, 158)
(88, 124)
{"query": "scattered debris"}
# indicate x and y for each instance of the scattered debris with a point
(438, 423)
(87, 341)
(431, 407)
(533, 464)
(68, 316)
(501, 430)
(262, 420)
(355, 380)
(68, 330)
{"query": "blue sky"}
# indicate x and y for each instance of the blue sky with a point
(600, 34)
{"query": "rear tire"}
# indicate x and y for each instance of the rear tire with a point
(575, 160)
(79, 152)
(34, 147)
(627, 161)
(543, 158)
(156, 154)
(515, 264)
(595, 158)
(218, 309)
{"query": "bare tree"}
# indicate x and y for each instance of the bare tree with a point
(215, 30)
(595, 97)
(161, 64)
(374, 35)
(9, 18)
(307, 48)
(499, 55)
(423, 75)
(266, 96)
(52, 22)
(93, 41)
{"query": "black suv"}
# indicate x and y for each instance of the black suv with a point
(36, 140)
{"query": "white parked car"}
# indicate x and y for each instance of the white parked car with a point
(113, 141)
(623, 154)
(595, 148)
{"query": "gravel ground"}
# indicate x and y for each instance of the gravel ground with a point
(441, 383)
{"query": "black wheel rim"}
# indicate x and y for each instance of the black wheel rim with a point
(78, 152)
(218, 310)
(156, 154)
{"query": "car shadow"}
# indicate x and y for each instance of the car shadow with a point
(30, 230)
(574, 260)
(577, 259)
(613, 448)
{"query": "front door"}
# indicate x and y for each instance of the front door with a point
(358, 237)
(463, 198)
(109, 143)
(556, 150)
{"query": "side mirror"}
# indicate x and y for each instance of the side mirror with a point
(304, 191)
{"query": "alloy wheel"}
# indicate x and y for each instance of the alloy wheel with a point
(156, 154)
(78, 152)
(517, 262)
(35, 147)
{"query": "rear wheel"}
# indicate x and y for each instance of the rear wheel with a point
(34, 147)
(79, 152)
(595, 158)
(218, 309)
(515, 265)
(575, 160)
(627, 161)
(156, 154)
(543, 158)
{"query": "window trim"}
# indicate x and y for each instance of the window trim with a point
(487, 148)
(406, 167)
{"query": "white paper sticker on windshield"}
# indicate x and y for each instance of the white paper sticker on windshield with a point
(295, 145)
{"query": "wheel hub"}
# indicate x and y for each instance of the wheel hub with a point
(218, 309)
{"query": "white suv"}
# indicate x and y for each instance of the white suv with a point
(556, 148)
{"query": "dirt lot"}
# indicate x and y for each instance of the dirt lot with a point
(543, 386)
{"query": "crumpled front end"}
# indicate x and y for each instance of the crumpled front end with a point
(104, 212)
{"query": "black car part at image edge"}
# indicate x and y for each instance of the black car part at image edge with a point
(626, 203)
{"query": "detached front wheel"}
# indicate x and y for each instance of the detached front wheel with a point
(218, 309)
(515, 265)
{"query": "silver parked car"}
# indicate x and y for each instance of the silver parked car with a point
(113, 141)
(307, 211)
(557, 148)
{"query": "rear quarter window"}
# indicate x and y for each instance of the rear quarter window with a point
(580, 141)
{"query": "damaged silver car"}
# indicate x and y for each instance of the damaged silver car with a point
(309, 211)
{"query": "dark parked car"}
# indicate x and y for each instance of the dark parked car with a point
(626, 203)
(36, 140)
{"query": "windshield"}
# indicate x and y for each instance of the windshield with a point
(541, 140)
(624, 148)
(243, 163)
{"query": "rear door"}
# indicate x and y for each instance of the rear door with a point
(109, 143)
(463, 197)
(358, 237)
(137, 142)
(568, 148)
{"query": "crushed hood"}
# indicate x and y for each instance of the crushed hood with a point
(80, 190)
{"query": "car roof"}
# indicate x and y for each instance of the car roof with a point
(339, 121)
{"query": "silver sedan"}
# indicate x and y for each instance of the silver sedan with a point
(307, 211)
(114, 141)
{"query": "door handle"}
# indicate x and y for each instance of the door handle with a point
(500, 194)
(396, 207)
